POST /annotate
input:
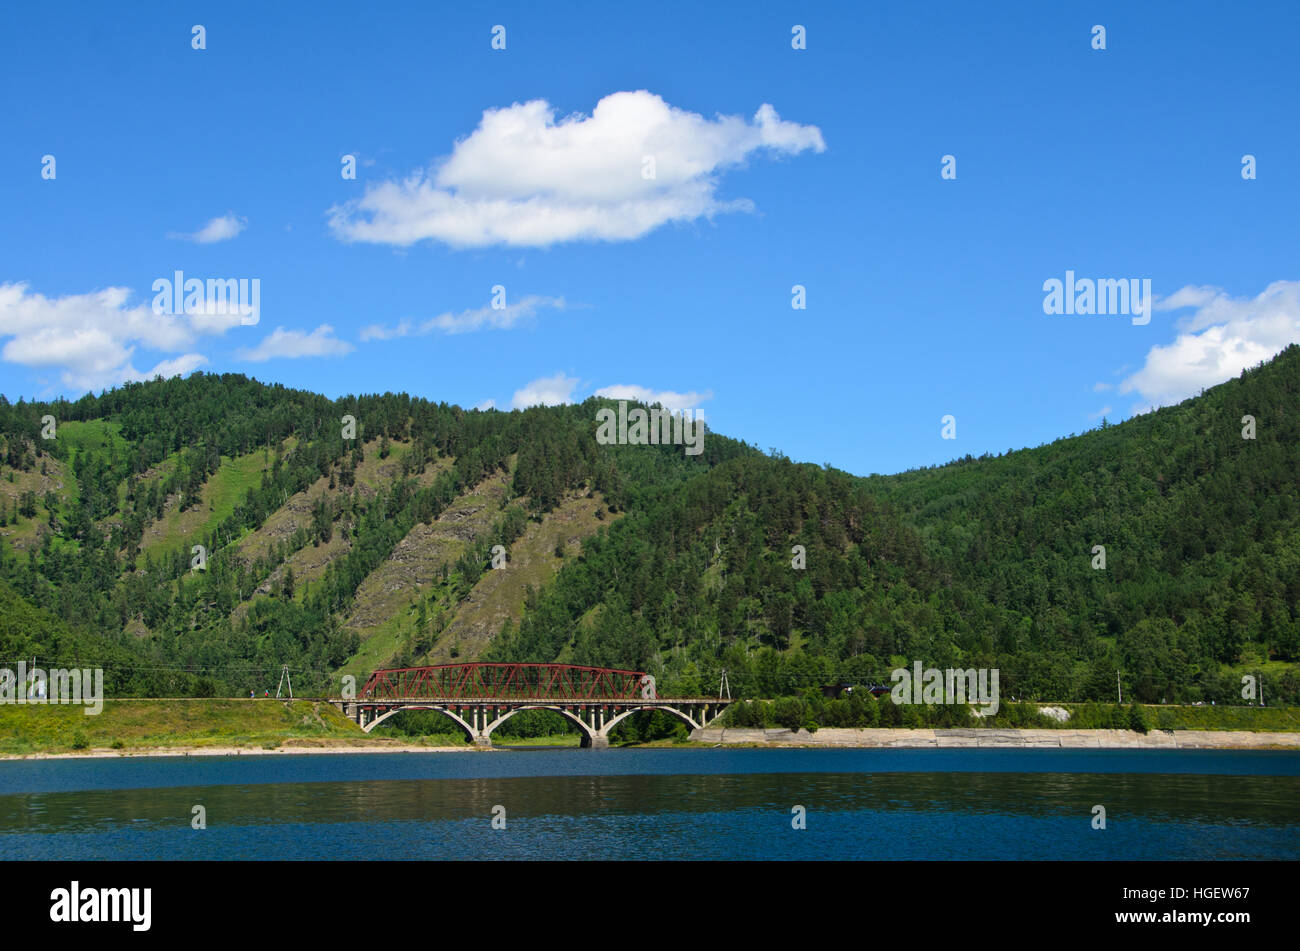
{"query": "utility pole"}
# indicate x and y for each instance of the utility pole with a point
(1119, 687)
(284, 678)
(723, 685)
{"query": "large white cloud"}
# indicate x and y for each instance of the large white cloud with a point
(92, 338)
(1223, 336)
(524, 178)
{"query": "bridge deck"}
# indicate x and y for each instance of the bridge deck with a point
(554, 701)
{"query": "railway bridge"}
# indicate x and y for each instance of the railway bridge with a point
(480, 697)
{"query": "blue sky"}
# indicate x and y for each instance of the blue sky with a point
(924, 295)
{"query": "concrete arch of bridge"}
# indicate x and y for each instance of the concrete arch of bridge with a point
(469, 730)
(569, 715)
(610, 724)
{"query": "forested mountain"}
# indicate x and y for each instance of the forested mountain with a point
(335, 554)
(100, 521)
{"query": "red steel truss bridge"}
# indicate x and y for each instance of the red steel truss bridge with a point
(480, 697)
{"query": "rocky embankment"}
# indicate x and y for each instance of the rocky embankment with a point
(1003, 739)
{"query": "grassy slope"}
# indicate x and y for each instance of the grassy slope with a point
(1267, 719)
(96, 435)
(499, 595)
(29, 532)
(385, 605)
(142, 724)
(296, 512)
(99, 435)
(309, 563)
(156, 473)
(217, 500)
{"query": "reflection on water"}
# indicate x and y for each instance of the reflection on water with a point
(861, 804)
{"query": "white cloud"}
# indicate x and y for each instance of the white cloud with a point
(91, 338)
(292, 344)
(548, 391)
(486, 404)
(1189, 296)
(379, 332)
(524, 179)
(218, 229)
(1104, 411)
(558, 389)
(183, 365)
(666, 398)
(1224, 336)
(467, 320)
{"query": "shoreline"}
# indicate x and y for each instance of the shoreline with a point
(825, 738)
(202, 751)
(993, 738)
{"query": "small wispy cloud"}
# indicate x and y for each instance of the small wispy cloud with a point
(668, 399)
(559, 389)
(224, 228)
(547, 391)
(467, 321)
(283, 344)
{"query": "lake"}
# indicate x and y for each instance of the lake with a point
(659, 804)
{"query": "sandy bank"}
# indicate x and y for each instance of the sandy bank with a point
(241, 751)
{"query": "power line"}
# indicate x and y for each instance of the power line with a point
(185, 669)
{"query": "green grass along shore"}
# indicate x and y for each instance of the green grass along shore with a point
(183, 724)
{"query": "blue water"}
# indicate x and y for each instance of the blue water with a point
(660, 804)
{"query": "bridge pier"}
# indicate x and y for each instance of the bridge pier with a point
(479, 697)
(595, 721)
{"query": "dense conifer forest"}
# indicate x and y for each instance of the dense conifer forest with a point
(789, 576)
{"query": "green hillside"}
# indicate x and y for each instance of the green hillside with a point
(213, 461)
(983, 562)
(321, 558)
